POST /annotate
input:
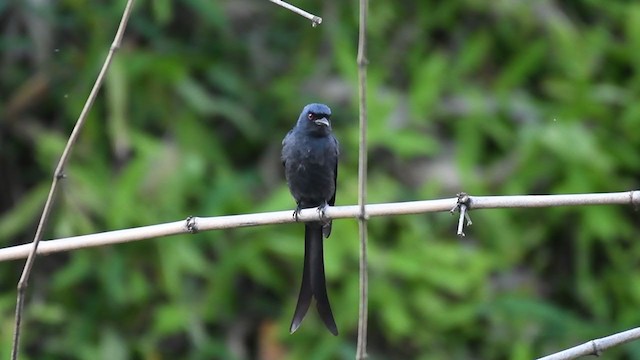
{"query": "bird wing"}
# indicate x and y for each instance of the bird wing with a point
(284, 142)
(332, 201)
(326, 228)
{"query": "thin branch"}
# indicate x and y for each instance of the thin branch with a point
(597, 346)
(58, 175)
(194, 224)
(462, 205)
(315, 20)
(463, 214)
(361, 347)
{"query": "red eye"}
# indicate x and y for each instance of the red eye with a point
(310, 116)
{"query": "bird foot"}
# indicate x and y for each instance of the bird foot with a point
(322, 212)
(296, 213)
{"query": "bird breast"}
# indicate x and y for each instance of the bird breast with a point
(309, 169)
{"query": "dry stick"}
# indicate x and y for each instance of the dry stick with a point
(315, 20)
(361, 348)
(461, 206)
(595, 347)
(193, 224)
(58, 175)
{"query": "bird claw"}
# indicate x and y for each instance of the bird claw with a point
(322, 212)
(296, 213)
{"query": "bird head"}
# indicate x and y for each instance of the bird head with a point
(315, 118)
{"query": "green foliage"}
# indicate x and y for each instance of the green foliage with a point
(484, 97)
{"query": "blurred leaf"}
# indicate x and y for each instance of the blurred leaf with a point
(170, 319)
(24, 214)
(207, 104)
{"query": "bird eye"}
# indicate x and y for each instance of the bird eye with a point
(310, 116)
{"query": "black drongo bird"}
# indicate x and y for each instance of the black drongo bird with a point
(310, 159)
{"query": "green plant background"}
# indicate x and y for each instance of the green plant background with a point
(487, 97)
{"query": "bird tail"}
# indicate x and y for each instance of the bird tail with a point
(313, 280)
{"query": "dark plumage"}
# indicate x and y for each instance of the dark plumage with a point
(310, 159)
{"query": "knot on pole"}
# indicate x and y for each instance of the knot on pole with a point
(463, 204)
(192, 225)
(635, 199)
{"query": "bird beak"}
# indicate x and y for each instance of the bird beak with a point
(322, 121)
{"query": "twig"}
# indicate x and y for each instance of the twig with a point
(463, 213)
(57, 176)
(332, 212)
(462, 205)
(361, 347)
(597, 346)
(315, 20)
